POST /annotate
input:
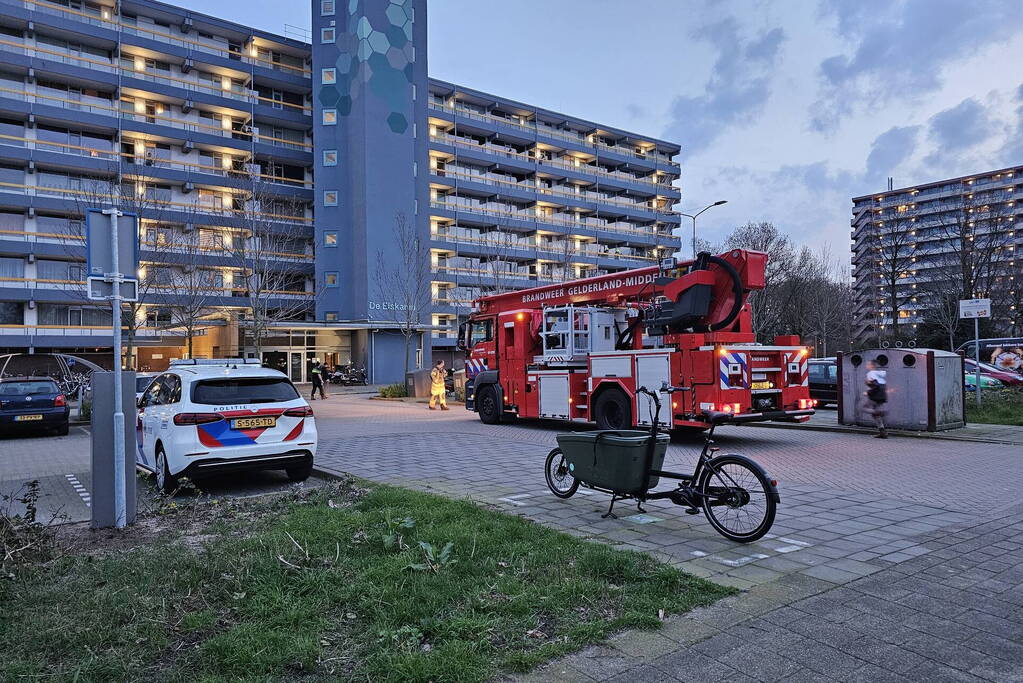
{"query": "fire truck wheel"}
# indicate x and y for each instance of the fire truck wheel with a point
(488, 406)
(612, 410)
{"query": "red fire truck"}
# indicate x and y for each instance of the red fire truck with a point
(580, 350)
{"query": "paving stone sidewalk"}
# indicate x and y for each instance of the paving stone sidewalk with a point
(952, 614)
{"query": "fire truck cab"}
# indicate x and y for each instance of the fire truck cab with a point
(580, 350)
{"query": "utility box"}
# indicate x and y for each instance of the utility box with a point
(417, 383)
(102, 505)
(924, 386)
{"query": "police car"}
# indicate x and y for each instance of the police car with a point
(205, 417)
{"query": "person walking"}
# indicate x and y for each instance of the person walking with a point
(877, 397)
(317, 376)
(438, 393)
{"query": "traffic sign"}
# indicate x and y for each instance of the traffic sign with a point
(102, 289)
(975, 308)
(98, 243)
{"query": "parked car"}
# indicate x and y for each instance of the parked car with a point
(142, 382)
(32, 404)
(986, 382)
(1008, 378)
(823, 376)
(205, 417)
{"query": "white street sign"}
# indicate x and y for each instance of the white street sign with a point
(102, 289)
(975, 308)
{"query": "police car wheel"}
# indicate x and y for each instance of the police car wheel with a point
(165, 481)
(301, 473)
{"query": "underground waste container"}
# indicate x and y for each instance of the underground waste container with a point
(924, 388)
(613, 459)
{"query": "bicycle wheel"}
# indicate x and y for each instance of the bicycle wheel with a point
(559, 480)
(738, 498)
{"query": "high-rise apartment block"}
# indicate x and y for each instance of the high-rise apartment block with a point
(918, 250)
(282, 184)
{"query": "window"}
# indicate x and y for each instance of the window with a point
(330, 238)
(330, 197)
(327, 35)
(481, 331)
(222, 392)
(326, 8)
(330, 279)
(328, 76)
(330, 157)
(330, 316)
(330, 117)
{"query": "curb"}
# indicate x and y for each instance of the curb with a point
(861, 430)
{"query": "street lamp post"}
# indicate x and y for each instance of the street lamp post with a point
(694, 215)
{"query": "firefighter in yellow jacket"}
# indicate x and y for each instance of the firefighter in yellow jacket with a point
(437, 391)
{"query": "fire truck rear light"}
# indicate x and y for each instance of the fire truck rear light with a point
(196, 418)
(805, 403)
(674, 405)
(731, 408)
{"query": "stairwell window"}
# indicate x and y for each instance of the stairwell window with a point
(330, 238)
(330, 197)
(330, 117)
(330, 279)
(328, 76)
(326, 8)
(327, 35)
(330, 157)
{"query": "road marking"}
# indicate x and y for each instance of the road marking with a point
(742, 560)
(515, 500)
(82, 492)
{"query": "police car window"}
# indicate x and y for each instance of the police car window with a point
(171, 389)
(153, 395)
(221, 392)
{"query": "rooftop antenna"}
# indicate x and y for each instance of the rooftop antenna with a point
(891, 183)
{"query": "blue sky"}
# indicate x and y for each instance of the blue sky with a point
(786, 109)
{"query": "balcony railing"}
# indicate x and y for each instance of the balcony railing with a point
(586, 169)
(146, 161)
(587, 224)
(541, 129)
(93, 105)
(527, 186)
(110, 20)
(592, 250)
(199, 208)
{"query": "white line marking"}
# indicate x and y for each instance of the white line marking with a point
(788, 549)
(512, 502)
(792, 541)
(82, 492)
(698, 553)
(585, 492)
(518, 495)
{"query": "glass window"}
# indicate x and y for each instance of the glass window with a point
(327, 35)
(330, 238)
(330, 316)
(28, 387)
(330, 279)
(328, 76)
(330, 157)
(221, 392)
(326, 8)
(481, 331)
(330, 117)
(330, 197)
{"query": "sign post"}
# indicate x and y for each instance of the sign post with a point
(106, 281)
(976, 309)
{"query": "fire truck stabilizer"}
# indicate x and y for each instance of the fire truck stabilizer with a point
(580, 350)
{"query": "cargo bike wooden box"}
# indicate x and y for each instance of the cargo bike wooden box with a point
(735, 493)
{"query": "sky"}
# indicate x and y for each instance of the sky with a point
(786, 109)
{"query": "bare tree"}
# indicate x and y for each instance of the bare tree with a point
(493, 272)
(182, 286)
(768, 305)
(403, 280)
(267, 278)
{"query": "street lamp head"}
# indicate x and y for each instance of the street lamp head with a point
(720, 202)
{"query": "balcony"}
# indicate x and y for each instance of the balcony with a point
(108, 19)
(552, 248)
(538, 128)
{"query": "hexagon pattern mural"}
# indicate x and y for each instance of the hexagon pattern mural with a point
(375, 53)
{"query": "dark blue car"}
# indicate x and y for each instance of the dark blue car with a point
(32, 404)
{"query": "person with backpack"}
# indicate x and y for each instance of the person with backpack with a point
(877, 397)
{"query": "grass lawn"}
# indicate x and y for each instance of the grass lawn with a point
(377, 584)
(1003, 407)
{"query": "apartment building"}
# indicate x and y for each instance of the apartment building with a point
(917, 250)
(272, 177)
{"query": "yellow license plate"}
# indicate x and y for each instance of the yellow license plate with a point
(762, 385)
(27, 418)
(250, 422)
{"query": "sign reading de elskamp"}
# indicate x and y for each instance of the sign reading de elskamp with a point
(974, 308)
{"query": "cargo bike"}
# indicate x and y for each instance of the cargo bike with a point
(737, 496)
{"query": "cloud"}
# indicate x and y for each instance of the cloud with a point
(1012, 151)
(889, 149)
(899, 50)
(735, 92)
(816, 177)
(955, 131)
(635, 111)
